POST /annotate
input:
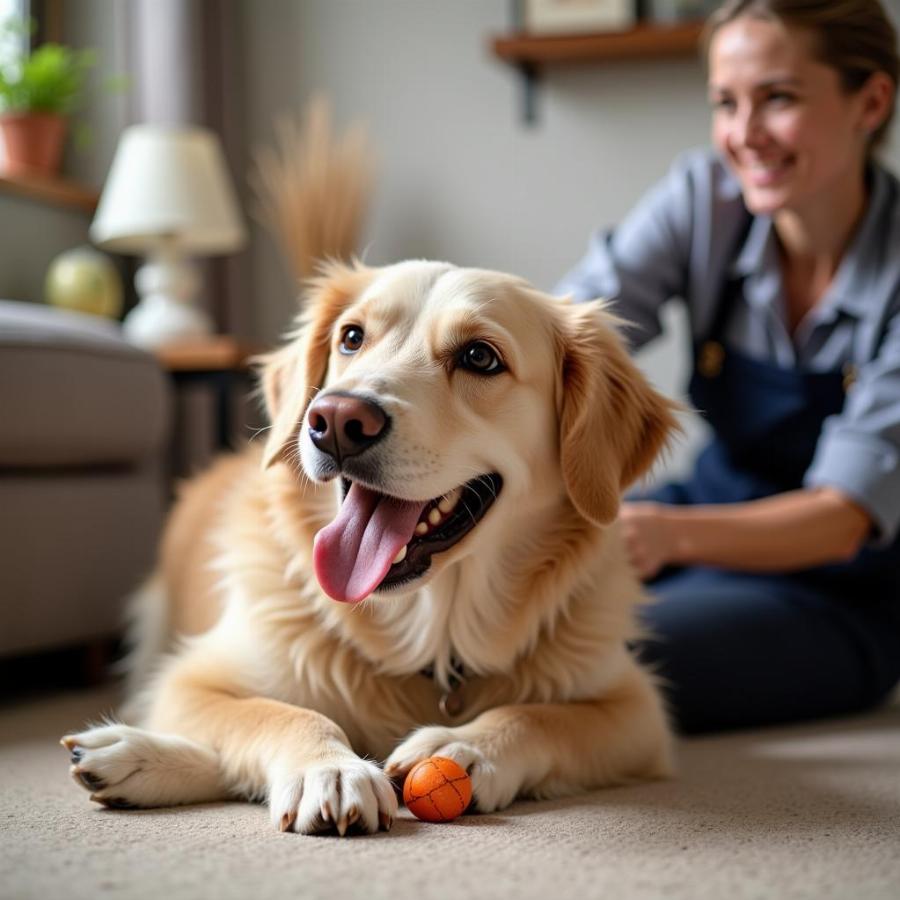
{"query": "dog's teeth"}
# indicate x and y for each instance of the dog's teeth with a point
(448, 503)
(422, 528)
(400, 556)
(434, 517)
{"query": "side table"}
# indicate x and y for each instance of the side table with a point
(221, 365)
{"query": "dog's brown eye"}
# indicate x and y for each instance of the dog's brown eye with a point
(481, 358)
(351, 339)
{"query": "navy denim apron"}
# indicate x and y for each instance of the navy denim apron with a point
(742, 649)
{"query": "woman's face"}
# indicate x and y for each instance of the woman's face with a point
(781, 119)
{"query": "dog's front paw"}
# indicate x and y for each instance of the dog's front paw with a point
(124, 767)
(493, 786)
(351, 797)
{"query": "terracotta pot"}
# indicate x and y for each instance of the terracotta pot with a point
(33, 143)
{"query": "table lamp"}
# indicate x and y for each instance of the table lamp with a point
(167, 197)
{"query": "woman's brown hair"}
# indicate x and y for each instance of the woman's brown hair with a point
(854, 37)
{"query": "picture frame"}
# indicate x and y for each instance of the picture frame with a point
(578, 16)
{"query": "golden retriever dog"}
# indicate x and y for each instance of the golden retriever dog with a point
(421, 559)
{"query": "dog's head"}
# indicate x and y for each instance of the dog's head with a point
(439, 397)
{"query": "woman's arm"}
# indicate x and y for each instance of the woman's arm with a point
(790, 531)
(858, 457)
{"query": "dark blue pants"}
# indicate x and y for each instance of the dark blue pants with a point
(737, 650)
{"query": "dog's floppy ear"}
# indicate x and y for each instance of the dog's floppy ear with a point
(293, 374)
(612, 422)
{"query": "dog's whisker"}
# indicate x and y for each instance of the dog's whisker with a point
(469, 511)
(256, 432)
(483, 479)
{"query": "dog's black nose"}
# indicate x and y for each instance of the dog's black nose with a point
(343, 425)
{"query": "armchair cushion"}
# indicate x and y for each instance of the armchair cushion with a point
(84, 423)
(73, 392)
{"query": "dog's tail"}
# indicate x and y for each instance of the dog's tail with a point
(147, 639)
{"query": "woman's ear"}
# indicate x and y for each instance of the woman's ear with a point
(877, 100)
(612, 423)
(292, 375)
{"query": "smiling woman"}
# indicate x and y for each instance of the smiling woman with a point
(777, 564)
(783, 122)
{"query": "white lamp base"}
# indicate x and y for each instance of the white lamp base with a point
(165, 313)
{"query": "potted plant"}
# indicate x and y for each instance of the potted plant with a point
(39, 90)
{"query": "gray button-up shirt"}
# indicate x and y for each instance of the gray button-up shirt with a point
(691, 233)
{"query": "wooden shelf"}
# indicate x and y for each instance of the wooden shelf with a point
(531, 53)
(55, 191)
(641, 42)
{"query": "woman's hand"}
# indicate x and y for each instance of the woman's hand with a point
(649, 537)
(783, 533)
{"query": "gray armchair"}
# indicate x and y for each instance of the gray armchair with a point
(84, 425)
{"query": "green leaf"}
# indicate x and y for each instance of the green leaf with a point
(51, 79)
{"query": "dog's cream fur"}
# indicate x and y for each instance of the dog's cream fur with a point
(272, 690)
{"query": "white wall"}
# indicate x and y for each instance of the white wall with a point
(460, 177)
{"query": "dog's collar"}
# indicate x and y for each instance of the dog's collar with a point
(452, 701)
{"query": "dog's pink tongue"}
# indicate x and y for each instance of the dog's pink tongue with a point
(353, 554)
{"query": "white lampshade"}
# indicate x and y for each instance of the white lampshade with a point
(168, 184)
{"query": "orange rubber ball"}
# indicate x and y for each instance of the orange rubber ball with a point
(437, 790)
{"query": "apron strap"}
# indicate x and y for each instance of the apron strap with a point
(709, 348)
(710, 351)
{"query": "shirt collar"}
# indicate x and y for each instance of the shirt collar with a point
(852, 285)
(757, 260)
(758, 246)
(757, 264)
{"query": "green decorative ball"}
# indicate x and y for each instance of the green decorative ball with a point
(84, 280)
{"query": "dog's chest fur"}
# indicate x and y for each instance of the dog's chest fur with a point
(524, 627)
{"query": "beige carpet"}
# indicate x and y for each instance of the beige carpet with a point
(803, 812)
